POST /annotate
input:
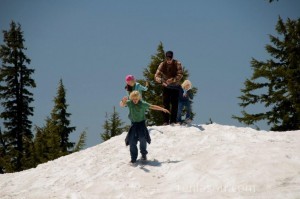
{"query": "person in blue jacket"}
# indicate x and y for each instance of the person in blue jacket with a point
(185, 100)
(132, 85)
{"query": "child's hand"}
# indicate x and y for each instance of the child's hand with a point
(166, 111)
(147, 84)
(124, 100)
(165, 85)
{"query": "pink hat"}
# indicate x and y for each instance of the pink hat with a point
(129, 78)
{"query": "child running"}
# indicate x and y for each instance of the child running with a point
(132, 85)
(185, 100)
(138, 130)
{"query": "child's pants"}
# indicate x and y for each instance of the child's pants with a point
(138, 132)
(134, 149)
(187, 106)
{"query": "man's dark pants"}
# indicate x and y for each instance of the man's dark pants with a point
(170, 97)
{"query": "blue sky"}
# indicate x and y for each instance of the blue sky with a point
(92, 45)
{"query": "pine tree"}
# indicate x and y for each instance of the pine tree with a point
(2, 152)
(47, 143)
(112, 126)
(210, 121)
(275, 83)
(59, 118)
(116, 124)
(52, 140)
(154, 93)
(81, 142)
(41, 150)
(15, 96)
(106, 126)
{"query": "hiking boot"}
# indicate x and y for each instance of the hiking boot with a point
(188, 121)
(144, 157)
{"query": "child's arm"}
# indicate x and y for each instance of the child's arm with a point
(158, 108)
(190, 94)
(143, 88)
(177, 87)
(123, 101)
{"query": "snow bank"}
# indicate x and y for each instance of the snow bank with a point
(201, 161)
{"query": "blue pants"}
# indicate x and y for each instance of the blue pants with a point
(181, 106)
(138, 132)
(134, 149)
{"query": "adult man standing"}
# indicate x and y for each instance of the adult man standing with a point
(169, 74)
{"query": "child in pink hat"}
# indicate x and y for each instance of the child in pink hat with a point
(132, 85)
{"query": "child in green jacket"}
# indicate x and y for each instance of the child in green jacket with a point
(138, 130)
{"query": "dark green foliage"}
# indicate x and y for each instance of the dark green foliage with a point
(113, 126)
(41, 150)
(106, 126)
(47, 143)
(275, 83)
(154, 93)
(81, 142)
(60, 119)
(52, 140)
(2, 153)
(18, 150)
(15, 96)
(210, 121)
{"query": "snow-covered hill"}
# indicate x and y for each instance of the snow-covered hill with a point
(202, 161)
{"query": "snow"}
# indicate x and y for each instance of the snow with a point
(200, 161)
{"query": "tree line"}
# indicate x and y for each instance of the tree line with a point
(19, 148)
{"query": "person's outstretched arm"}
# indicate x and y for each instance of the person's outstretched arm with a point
(158, 108)
(190, 94)
(143, 88)
(123, 101)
